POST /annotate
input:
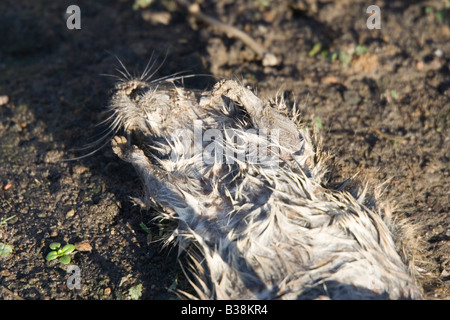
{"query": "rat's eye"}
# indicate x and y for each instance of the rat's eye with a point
(137, 92)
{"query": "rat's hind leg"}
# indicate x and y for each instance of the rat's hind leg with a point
(289, 137)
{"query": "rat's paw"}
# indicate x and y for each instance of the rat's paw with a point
(120, 147)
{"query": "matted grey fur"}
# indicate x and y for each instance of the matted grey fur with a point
(256, 225)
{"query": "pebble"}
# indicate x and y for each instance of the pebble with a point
(83, 246)
(352, 97)
(79, 169)
(70, 213)
(4, 100)
(438, 53)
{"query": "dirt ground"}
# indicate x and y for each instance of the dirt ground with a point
(379, 97)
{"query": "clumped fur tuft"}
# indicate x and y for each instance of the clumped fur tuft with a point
(244, 182)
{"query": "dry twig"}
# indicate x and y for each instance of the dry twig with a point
(268, 59)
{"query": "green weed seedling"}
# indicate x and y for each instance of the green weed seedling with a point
(3, 222)
(62, 254)
(5, 249)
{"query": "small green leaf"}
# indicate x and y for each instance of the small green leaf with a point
(360, 49)
(318, 123)
(68, 249)
(64, 259)
(317, 47)
(52, 255)
(141, 4)
(4, 221)
(334, 55)
(394, 94)
(145, 228)
(54, 245)
(440, 15)
(135, 292)
(5, 249)
(345, 57)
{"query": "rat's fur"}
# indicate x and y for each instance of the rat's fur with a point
(255, 227)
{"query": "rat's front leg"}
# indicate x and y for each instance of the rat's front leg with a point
(159, 184)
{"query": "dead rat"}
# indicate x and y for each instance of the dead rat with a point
(244, 182)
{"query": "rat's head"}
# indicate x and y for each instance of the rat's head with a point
(136, 101)
(140, 106)
(134, 89)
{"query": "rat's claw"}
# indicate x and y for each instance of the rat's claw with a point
(119, 146)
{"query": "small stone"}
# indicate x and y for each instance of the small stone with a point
(70, 213)
(420, 65)
(4, 100)
(439, 53)
(330, 80)
(53, 156)
(352, 97)
(83, 246)
(79, 169)
(156, 18)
